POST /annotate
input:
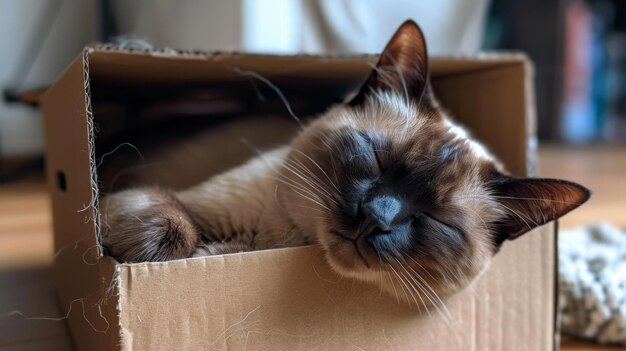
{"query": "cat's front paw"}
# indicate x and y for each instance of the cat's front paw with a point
(141, 225)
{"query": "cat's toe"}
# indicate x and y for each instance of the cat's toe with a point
(147, 225)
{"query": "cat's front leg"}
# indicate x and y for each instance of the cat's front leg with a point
(149, 224)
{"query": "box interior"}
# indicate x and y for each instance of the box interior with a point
(139, 103)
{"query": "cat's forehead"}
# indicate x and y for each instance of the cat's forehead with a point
(409, 130)
(405, 121)
(461, 136)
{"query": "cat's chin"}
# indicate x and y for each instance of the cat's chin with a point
(360, 273)
(381, 280)
(344, 259)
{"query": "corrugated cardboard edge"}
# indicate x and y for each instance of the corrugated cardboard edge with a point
(533, 144)
(93, 167)
(557, 291)
(201, 54)
(82, 276)
(123, 333)
(531, 119)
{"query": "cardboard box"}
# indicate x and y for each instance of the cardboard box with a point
(284, 299)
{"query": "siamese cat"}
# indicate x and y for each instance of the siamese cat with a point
(387, 184)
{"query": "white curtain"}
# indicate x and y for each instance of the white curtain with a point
(312, 26)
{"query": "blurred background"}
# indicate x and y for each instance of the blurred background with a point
(578, 48)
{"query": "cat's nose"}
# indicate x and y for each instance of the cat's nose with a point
(380, 212)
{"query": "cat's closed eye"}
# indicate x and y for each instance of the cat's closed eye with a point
(446, 228)
(378, 149)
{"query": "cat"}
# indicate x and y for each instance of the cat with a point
(387, 184)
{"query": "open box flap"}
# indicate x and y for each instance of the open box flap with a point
(70, 158)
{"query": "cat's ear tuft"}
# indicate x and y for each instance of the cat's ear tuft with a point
(530, 202)
(402, 67)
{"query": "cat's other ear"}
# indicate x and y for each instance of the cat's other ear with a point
(531, 202)
(401, 68)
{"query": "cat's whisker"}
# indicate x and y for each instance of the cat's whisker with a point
(443, 266)
(415, 284)
(446, 270)
(303, 187)
(326, 141)
(380, 263)
(439, 303)
(403, 286)
(311, 182)
(319, 196)
(421, 267)
(307, 172)
(393, 285)
(315, 179)
(524, 218)
(490, 197)
(264, 158)
(419, 292)
(313, 209)
(318, 166)
(415, 276)
(454, 275)
(299, 190)
(293, 185)
(395, 278)
(312, 188)
(415, 293)
(402, 281)
(478, 215)
(308, 198)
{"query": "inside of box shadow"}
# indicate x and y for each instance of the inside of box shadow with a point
(135, 126)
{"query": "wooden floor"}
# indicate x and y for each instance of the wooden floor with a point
(26, 242)
(601, 169)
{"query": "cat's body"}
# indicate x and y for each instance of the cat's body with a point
(391, 189)
(230, 212)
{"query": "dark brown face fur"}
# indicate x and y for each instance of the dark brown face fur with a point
(397, 193)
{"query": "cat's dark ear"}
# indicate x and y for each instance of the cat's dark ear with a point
(530, 202)
(401, 68)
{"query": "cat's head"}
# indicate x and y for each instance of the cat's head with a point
(395, 192)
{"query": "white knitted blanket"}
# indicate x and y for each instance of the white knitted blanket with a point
(592, 279)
